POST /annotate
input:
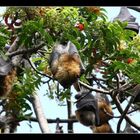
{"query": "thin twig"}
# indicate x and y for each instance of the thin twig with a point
(26, 51)
(98, 81)
(43, 74)
(118, 86)
(84, 49)
(33, 119)
(123, 88)
(131, 111)
(93, 89)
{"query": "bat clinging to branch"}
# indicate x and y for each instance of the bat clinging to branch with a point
(87, 111)
(5, 67)
(94, 112)
(7, 75)
(65, 63)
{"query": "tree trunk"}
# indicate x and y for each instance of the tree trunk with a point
(70, 124)
(43, 123)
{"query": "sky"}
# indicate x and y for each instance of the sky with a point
(51, 108)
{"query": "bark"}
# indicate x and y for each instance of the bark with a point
(70, 124)
(33, 119)
(43, 123)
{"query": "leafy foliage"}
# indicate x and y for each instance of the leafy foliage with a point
(105, 48)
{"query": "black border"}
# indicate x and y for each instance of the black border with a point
(69, 3)
(70, 136)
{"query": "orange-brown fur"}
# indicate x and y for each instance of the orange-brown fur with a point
(7, 83)
(103, 108)
(68, 69)
(104, 128)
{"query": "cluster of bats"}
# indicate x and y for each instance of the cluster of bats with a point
(66, 67)
(93, 111)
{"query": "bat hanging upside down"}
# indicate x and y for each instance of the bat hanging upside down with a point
(94, 113)
(7, 76)
(65, 64)
(87, 112)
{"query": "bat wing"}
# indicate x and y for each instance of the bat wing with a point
(73, 51)
(54, 57)
(5, 67)
(69, 49)
(92, 106)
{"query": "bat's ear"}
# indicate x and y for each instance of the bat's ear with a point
(71, 48)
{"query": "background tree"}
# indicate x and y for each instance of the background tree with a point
(109, 52)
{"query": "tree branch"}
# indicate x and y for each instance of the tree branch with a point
(38, 71)
(121, 89)
(70, 124)
(39, 114)
(118, 86)
(33, 119)
(115, 99)
(136, 92)
(25, 51)
(96, 90)
(14, 45)
(97, 81)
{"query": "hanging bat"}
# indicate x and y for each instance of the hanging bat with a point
(136, 94)
(87, 112)
(7, 75)
(5, 67)
(91, 111)
(125, 15)
(65, 64)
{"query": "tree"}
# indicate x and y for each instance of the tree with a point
(108, 50)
